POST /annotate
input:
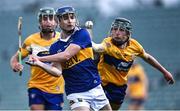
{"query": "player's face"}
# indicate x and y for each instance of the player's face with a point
(67, 21)
(48, 22)
(119, 35)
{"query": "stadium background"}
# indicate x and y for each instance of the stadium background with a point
(155, 26)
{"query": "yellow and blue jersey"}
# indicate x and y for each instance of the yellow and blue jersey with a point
(115, 62)
(80, 73)
(36, 45)
(137, 87)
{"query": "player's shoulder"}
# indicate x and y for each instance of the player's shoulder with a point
(107, 39)
(81, 31)
(133, 41)
(34, 35)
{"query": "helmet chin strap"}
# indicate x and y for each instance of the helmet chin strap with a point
(47, 30)
(119, 43)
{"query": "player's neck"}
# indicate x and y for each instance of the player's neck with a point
(123, 46)
(64, 35)
(47, 36)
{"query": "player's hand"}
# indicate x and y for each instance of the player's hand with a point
(33, 61)
(17, 67)
(169, 78)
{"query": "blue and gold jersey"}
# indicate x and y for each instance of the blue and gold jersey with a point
(80, 73)
(36, 45)
(115, 63)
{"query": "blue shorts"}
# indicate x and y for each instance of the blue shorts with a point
(114, 93)
(50, 101)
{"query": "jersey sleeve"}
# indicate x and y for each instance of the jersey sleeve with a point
(26, 50)
(82, 38)
(106, 44)
(140, 49)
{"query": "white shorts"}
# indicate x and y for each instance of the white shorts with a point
(93, 99)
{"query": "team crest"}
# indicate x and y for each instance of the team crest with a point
(33, 96)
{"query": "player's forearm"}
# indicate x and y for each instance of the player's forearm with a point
(97, 47)
(14, 59)
(51, 69)
(152, 61)
(59, 57)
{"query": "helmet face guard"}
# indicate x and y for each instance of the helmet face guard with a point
(121, 24)
(46, 14)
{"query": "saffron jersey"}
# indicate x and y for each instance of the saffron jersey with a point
(115, 62)
(80, 73)
(137, 82)
(36, 45)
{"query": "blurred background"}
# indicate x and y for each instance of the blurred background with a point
(155, 25)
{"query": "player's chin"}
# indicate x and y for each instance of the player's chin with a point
(70, 27)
